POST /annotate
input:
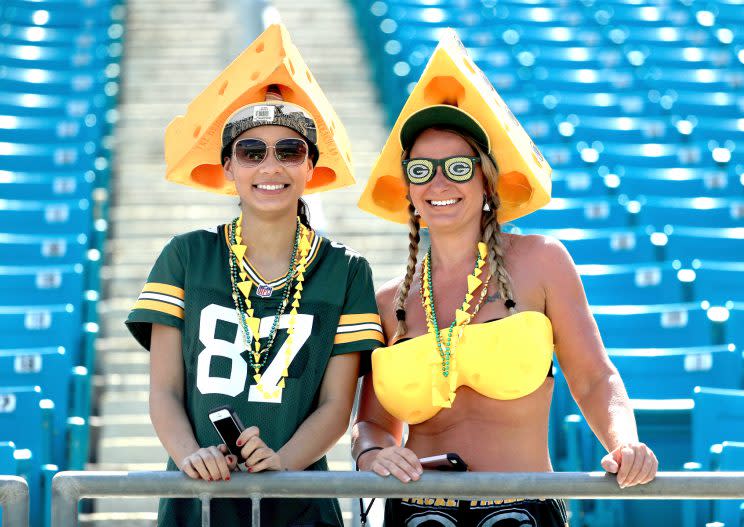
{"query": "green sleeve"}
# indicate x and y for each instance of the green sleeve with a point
(162, 298)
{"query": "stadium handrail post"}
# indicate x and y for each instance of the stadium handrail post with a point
(14, 498)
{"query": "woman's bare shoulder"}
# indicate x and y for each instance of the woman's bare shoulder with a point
(537, 248)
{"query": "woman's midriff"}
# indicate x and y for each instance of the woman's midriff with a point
(490, 435)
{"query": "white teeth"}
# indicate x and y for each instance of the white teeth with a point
(444, 203)
(270, 187)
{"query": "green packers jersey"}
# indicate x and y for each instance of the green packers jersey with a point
(189, 288)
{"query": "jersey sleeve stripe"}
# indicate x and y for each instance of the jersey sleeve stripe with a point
(163, 307)
(166, 289)
(359, 335)
(163, 298)
(359, 327)
(362, 318)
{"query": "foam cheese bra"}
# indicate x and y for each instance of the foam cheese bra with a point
(504, 359)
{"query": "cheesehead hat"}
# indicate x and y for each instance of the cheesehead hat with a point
(454, 93)
(241, 98)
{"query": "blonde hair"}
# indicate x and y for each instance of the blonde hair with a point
(490, 235)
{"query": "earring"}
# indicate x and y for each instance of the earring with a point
(416, 212)
(486, 206)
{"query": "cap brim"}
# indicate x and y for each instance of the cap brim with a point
(443, 116)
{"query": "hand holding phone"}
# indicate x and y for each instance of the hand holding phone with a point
(446, 462)
(228, 426)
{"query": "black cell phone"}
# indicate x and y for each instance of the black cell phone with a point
(228, 426)
(447, 462)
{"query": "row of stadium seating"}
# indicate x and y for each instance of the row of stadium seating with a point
(638, 106)
(59, 82)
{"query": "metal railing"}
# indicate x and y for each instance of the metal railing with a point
(14, 499)
(70, 487)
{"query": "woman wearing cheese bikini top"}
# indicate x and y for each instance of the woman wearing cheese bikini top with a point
(471, 329)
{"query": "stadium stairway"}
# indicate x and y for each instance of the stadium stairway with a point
(172, 51)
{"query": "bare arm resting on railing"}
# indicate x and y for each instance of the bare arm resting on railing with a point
(594, 382)
(169, 416)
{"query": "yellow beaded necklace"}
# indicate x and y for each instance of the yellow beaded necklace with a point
(242, 283)
(462, 316)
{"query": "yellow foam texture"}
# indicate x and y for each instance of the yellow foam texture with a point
(451, 77)
(193, 141)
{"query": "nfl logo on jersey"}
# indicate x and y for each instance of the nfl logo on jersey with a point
(264, 290)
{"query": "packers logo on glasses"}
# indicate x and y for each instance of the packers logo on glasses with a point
(420, 170)
(251, 152)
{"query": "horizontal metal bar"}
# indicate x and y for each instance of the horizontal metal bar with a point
(14, 499)
(485, 485)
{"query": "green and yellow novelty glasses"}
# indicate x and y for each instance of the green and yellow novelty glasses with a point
(421, 170)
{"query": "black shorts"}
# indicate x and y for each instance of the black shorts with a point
(430, 512)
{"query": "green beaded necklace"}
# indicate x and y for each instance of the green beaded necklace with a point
(257, 357)
(462, 317)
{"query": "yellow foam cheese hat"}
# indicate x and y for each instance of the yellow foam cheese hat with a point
(451, 78)
(193, 142)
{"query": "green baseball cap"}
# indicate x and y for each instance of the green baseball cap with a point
(443, 116)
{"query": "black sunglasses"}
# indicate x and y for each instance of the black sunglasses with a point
(421, 170)
(251, 152)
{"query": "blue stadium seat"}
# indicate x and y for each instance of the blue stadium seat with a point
(8, 462)
(631, 284)
(82, 38)
(557, 35)
(719, 104)
(59, 82)
(41, 130)
(564, 213)
(667, 36)
(729, 456)
(665, 426)
(735, 323)
(583, 80)
(27, 419)
(662, 326)
(673, 373)
(718, 416)
(661, 155)
(28, 285)
(716, 282)
(584, 57)
(33, 326)
(642, 16)
(690, 243)
(599, 104)
(51, 369)
(53, 106)
(692, 57)
(50, 217)
(81, 16)
(689, 212)
(59, 57)
(577, 183)
(680, 182)
(700, 80)
(616, 129)
(52, 186)
(70, 156)
(702, 128)
(16, 249)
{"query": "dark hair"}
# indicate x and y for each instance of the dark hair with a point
(303, 212)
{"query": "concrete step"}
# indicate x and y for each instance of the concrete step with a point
(113, 426)
(125, 363)
(124, 403)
